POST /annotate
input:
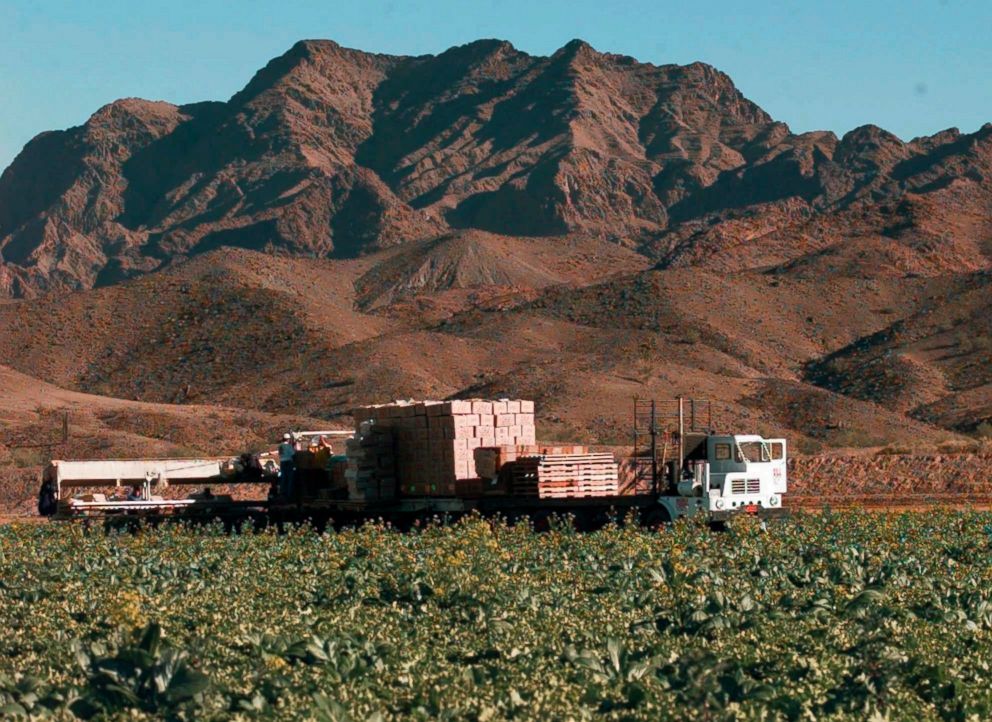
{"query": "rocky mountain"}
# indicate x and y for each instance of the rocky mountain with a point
(577, 229)
(332, 152)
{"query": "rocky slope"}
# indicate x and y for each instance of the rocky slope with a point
(335, 152)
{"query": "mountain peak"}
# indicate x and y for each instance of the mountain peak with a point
(490, 45)
(576, 49)
(326, 56)
(870, 132)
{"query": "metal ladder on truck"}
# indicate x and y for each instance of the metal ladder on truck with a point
(659, 438)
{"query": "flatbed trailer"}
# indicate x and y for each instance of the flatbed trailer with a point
(585, 512)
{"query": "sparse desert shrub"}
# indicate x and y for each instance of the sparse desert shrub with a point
(958, 446)
(854, 438)
(982, 343)
(808, 446)
(28, 457)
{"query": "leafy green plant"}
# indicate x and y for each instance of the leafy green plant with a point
(143, 673)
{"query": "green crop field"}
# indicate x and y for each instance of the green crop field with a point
(833, 616)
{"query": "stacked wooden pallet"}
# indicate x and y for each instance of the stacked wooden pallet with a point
(564, 476)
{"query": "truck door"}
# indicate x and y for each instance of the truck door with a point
(721, 456)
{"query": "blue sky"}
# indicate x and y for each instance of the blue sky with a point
(910, 66)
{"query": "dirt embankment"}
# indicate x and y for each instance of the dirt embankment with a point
(891, 475)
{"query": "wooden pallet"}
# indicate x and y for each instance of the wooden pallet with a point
(571, 474)
(565, 483)
(568, 459)
(565, 476)
(576, 493)
(572, 481)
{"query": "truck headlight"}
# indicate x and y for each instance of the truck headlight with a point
(718, 504)
(773, 501)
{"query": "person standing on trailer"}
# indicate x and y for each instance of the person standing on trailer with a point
(287, 466)
(47, 498)
(322, 453)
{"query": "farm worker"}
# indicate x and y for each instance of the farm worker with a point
(287, 468)
(134, 494)
(47, 503)
(321, 453)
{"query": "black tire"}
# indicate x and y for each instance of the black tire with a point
(541, 521)
(656, 519)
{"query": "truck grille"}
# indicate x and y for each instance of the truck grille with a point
(745, 486)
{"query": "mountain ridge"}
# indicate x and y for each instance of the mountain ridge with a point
(333, 152)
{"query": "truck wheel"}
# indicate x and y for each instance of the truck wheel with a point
(541, 521)
(656, 519)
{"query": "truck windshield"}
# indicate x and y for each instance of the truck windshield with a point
(754, 451)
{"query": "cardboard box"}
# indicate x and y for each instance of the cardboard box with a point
(450, 408)
(465, 432)
(482, 408)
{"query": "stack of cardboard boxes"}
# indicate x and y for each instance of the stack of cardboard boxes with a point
(435, 441)
(371, 467)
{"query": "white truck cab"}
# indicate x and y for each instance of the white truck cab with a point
(727, 474)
